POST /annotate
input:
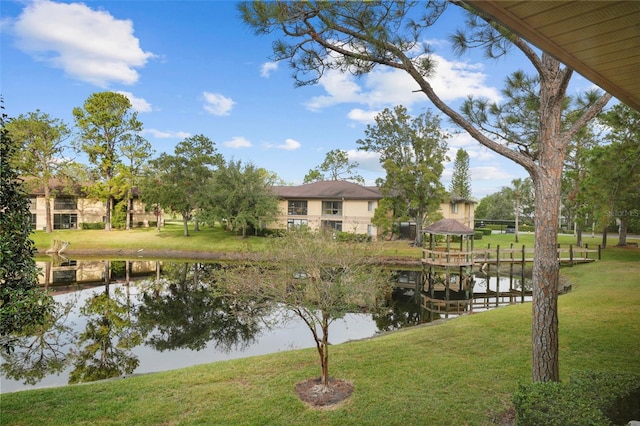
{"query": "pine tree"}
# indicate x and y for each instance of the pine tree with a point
(461, 179)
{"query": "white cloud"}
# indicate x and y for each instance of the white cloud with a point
(362, 116)
(217, 104)
(289, 145)
(489, 173)
(340, 88)
(169, 134)
(385, 87)
(89, 45)
(267, 68)
(369, 161)
(238, 142)
(138, 104)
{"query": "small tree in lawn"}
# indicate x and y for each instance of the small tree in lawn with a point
(317, 279)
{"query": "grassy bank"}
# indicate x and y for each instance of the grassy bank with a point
(461, 372)
(219, 241)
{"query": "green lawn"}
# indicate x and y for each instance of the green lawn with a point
(461, 372)
(217, 240)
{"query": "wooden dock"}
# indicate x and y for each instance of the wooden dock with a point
(570, 256)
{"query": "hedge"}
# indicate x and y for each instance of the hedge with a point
(92, 225)
(589, 398)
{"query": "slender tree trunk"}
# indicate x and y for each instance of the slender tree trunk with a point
(324, 354)
(622, 232)
(604, 237)
(185, 223)
(47, 208)
(578, 236)
(129, 210)
(107, 214)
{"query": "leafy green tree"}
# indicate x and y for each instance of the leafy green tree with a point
(611, 188)
(461, 178)
(496, 206)
(137, 151)
(22, 303)
(336, 166)
(106, 123)
(242, 195)
(179, 182)
(528, 127)
(412, 152)
(42, 144)
(521, 188)
(317, 279)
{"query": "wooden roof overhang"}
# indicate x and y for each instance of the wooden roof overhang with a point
(598, 39)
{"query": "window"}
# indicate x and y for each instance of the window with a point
(65, 221)
(332, 208)
(33, 201)
(33, 221)
(64, 276)
(454, 208)
(295, 223)
(335, 225)
(371, 230)
(371, 206)
(298, 208)
(64, 203)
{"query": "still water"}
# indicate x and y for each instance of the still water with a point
(118, 318)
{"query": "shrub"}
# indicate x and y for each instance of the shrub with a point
(485, 231)
(271, 232)
(92, 225)
(350, 237)
(478, 235)
(153, 223)
(587, 399)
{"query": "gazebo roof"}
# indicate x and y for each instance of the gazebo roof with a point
(448, 227)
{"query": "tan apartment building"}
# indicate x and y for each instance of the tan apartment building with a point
(347, 206)
(332, 204)
(461, 209)
(70, 211)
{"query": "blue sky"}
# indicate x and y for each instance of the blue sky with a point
(193, 67)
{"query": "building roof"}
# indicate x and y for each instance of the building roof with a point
(598, 39)
(329, 189)
(448, 227)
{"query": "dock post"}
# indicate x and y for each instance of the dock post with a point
(497, 275)
(522, 291)
(599, 252)
(570, 254)
(511, 269)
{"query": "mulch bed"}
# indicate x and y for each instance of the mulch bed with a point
(316, 396)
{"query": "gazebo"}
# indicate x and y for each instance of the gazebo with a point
(447, 271)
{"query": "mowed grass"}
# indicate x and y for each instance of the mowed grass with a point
(463, 371)
(217, 240)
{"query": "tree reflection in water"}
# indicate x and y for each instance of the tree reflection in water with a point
(108, 339)
(187, 310)
(43, 350)
(181, 308)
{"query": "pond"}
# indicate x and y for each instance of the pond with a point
(118, 318)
